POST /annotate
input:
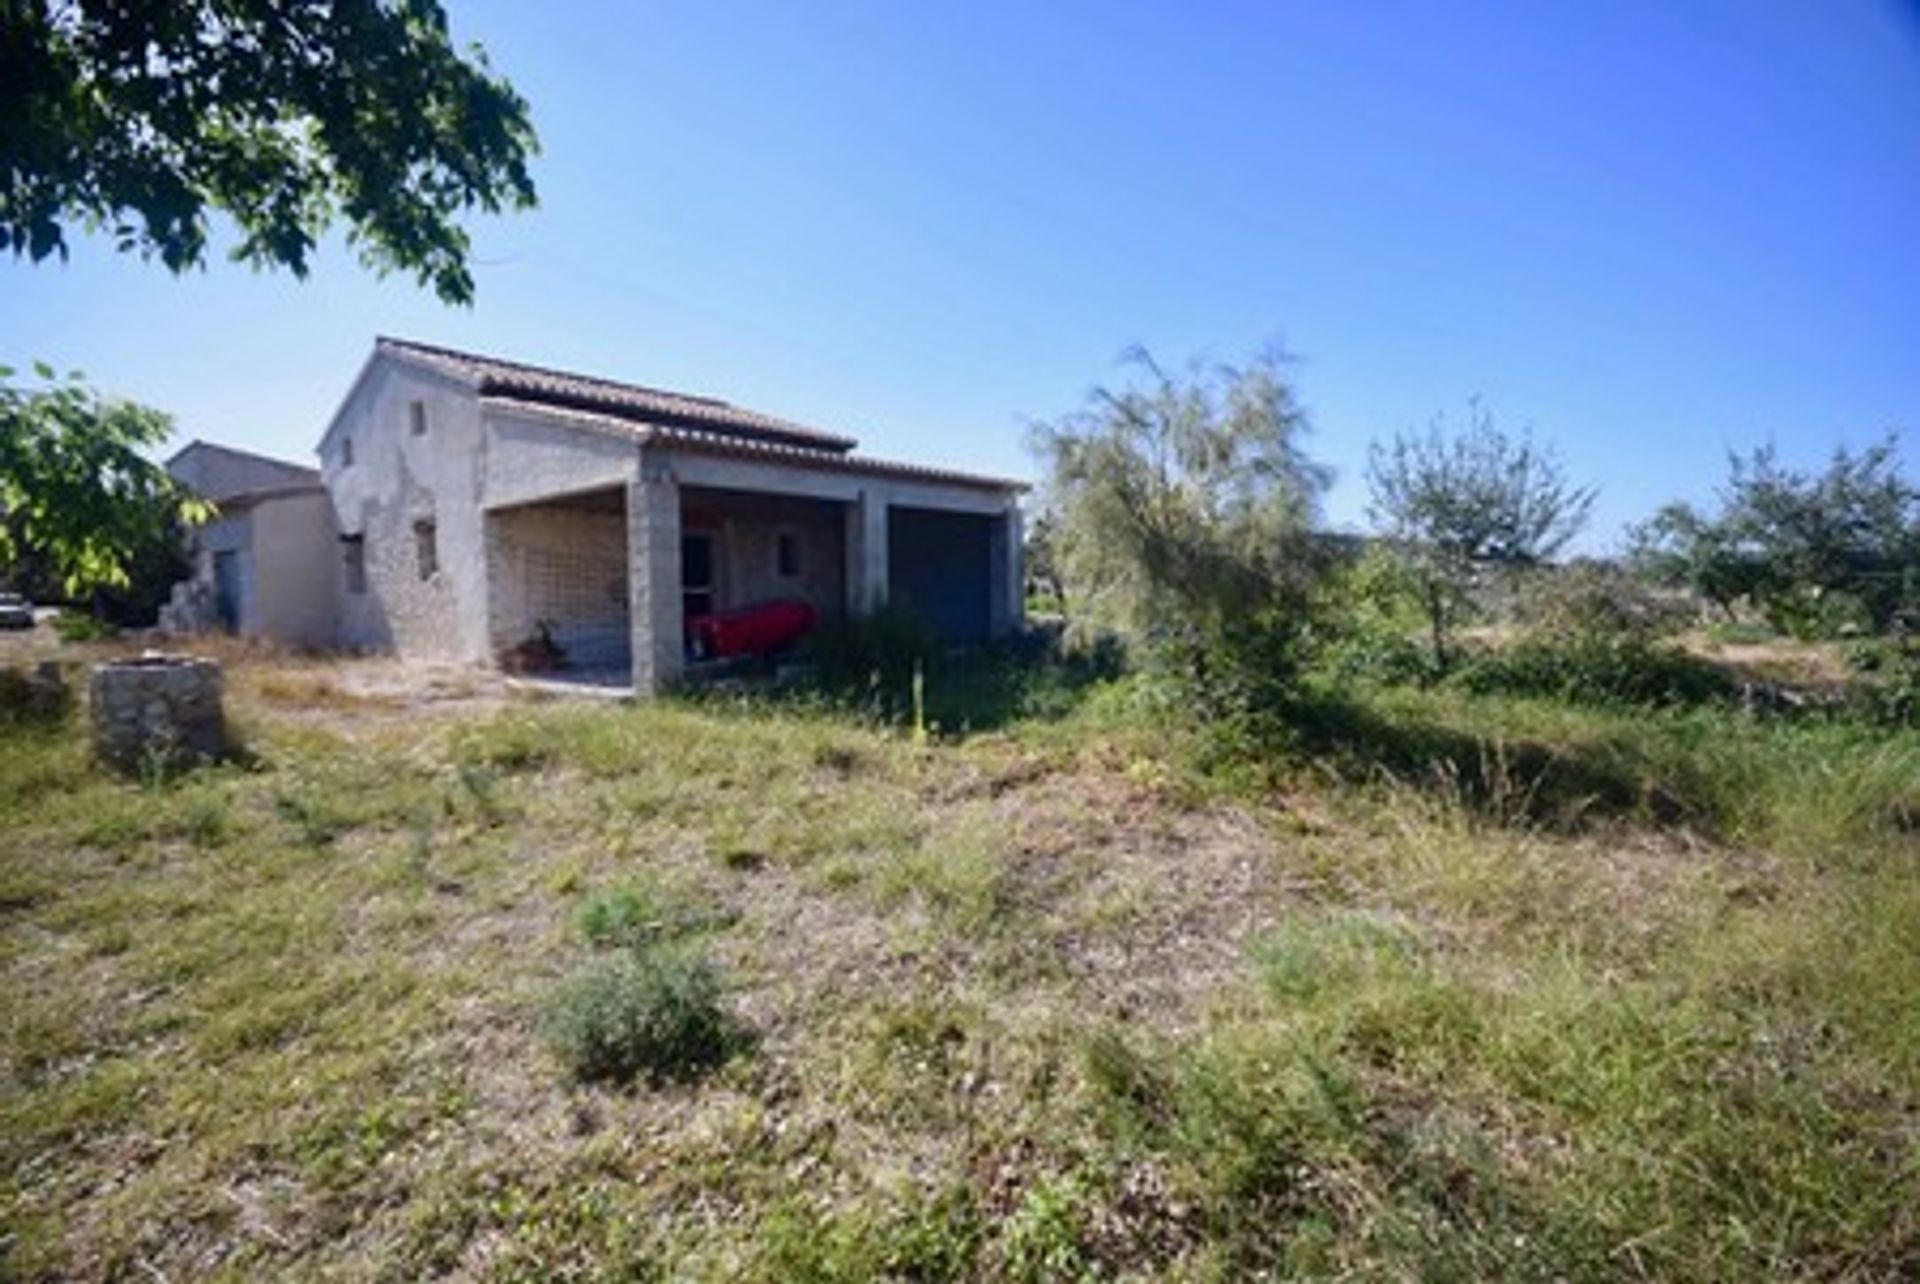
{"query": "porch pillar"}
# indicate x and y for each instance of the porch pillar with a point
(867, 552)
(1006, 574)
(653, 569)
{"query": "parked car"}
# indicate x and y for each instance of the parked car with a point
(15, 612)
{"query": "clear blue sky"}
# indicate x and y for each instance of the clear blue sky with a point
(1653, 230)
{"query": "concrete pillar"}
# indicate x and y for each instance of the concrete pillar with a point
(653, 567)
(867, 552)
(1006, 575)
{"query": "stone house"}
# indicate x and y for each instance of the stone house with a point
(264, 566)
(474, 500)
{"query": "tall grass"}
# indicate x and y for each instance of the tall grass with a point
(1822, 788)
(1387, 1108)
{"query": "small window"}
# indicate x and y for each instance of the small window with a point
(417, 418)
(346, 452)
(786, 555)
(353, 553)
(426, 548)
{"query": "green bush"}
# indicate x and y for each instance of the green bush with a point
(77, 626)
(1887, 688)
(1378, 656)
(1585, 598)
(1240, 679)
(656, 1013)
(1596, 669)
(1368, 624)
(624, 917)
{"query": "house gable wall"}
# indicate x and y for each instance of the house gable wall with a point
(396, 479)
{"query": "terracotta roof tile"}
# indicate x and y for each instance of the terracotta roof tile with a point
(635, 402)
(727, 443)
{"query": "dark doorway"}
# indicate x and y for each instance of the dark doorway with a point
(226, 590)
(939, 568)
(696, 575)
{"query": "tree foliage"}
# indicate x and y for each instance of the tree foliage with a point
(1807, 548)
(78, 492)
(1180, 506)
(1182, 496)
(141, 118)
(1461, 502)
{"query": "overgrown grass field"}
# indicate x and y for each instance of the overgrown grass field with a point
(1463, 988)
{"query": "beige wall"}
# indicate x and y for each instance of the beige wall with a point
(284, 550)
(295, 595)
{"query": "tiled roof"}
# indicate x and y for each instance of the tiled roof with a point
(248, 474)
(733, 444)
(628, 401)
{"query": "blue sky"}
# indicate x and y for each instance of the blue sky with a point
(1653, 231)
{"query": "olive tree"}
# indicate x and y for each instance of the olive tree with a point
(1460, 502)
(1808, 548)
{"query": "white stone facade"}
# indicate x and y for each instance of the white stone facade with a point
(468, 501)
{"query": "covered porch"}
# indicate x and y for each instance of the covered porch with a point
(613, 574)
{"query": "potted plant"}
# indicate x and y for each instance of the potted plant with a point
(538, 652)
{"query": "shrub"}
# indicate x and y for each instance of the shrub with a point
(77, 626)
(1238, 681)
(1376, 655)
(1596, 668)
(626, 917)
(1588, 597)
(1887, 690)
(656, 1013)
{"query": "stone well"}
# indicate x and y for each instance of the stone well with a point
(157, 706)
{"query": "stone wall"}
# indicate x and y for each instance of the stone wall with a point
(382, 479)
(157, 706)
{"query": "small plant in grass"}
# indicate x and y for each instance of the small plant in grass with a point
(655, 1013)
(637, 918)
(1044, 1239)
(623, 917)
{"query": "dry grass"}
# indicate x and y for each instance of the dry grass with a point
(1019, 1009)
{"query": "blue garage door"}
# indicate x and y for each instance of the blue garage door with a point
(938, 567)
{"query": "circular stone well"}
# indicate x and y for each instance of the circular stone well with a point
(157, 707)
